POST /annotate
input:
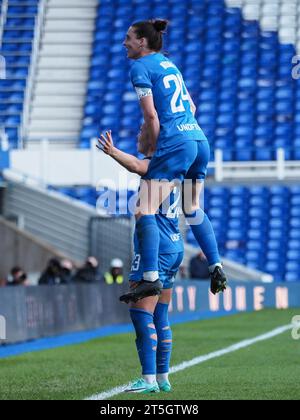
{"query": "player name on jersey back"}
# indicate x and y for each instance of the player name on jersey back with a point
(171, 99)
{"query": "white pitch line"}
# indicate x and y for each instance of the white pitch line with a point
(201, 359)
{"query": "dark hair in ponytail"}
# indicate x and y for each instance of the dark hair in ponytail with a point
(153, 31)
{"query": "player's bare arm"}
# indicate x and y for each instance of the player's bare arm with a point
(151, 119)
(129, 162)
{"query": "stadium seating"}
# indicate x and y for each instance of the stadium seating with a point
(255, 226)
(108, 201)
(258, 227)
(238, 75)
(18, 34)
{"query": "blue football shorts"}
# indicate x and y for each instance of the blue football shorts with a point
(185, 160)
(168, 268)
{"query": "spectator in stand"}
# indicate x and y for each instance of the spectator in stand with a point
(17, 277)
(199, 267)
(90, 272)
(115, 275)
(182, 274)
(66, 272)
(3, 282)
(52, 274)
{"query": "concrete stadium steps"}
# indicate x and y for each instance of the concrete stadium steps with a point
(58, 139)
(45, 123)
(71, 37)
(75, 63)
(70, 12)
(59, 100)
(65, 50)
(62, 74)
(59, 113)
(74, 25)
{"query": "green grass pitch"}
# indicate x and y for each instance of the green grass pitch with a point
(266, 370)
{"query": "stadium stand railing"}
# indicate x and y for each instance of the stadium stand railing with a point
(32, 68)
(50, 162)
(272, 170)
(3, 13)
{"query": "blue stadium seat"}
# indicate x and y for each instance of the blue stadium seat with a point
(18, 33)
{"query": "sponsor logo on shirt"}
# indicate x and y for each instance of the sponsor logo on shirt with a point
(176, 237)
(188, 127)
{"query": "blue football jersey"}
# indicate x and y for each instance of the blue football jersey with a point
(167, 219)
(171, 100)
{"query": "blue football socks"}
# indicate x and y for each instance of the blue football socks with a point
(164, 338)
(146, 339)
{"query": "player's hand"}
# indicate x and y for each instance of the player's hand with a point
(106, 144)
